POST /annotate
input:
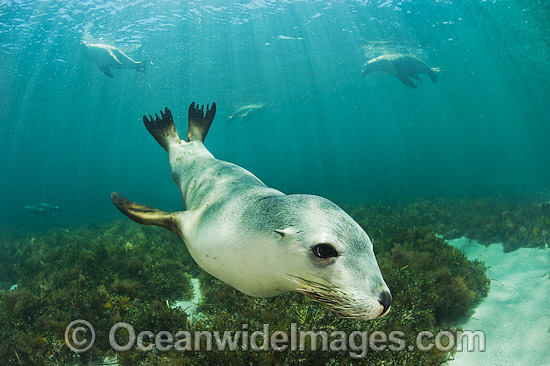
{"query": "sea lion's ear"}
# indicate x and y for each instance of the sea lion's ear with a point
(287, 231)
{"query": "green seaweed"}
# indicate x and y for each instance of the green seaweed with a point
(103, 274)
(514, 221)
(121, 271)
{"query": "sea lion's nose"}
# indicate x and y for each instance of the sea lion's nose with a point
(386, 300)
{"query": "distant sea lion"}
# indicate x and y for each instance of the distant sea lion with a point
(247, 111)
(106, 57)
(257, 239)
(404, 67)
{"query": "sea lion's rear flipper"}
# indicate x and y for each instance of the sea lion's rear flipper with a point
(106, 70)
(432, 73)
(199, 122)
(145, 215)
(406, 80)
(162, 128)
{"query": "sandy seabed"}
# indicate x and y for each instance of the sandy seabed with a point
(515, 316)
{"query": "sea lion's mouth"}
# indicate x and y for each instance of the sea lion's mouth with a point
(384, 311)
(333, 298)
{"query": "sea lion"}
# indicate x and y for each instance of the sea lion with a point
(247, 111)
(105, 57)
(404, 67)
(257, 239)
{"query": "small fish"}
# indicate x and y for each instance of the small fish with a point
(47, 206)
(44, 209)
(35, 210)
(247, 111)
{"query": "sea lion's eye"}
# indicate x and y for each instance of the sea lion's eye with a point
(324, 251)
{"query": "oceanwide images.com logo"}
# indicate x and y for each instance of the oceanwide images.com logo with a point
(80, 337)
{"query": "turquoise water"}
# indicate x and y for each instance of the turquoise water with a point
(69, 135)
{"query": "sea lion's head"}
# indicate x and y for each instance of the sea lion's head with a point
(330, 258)
(368, 67)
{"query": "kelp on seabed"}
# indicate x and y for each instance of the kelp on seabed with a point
(120, 271)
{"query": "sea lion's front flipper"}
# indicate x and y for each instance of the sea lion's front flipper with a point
(406, 80)
(416, 77)
(106, 70)
(145, 215)
(112, 54)
(199, 122)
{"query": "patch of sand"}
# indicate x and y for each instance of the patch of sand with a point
(515, 316)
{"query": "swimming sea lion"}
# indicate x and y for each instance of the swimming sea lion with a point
(404, 67)
(257, 239)
(105, 57)
(247, 111)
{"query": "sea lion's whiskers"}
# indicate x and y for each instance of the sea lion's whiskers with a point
(329, 296)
